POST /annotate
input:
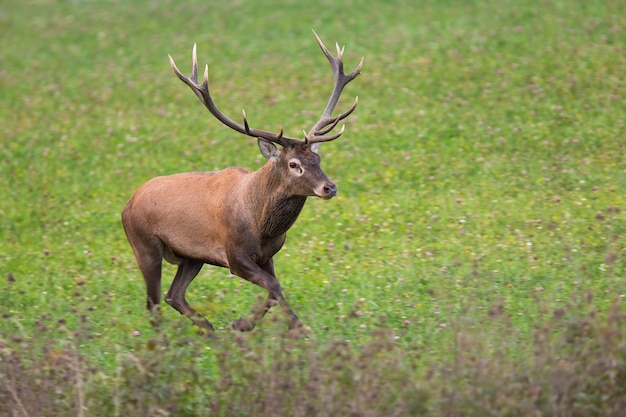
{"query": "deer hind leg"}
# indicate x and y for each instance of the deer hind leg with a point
(149, 259)
(188, 269)
(151, 271)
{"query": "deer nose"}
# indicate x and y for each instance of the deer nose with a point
(330, 190)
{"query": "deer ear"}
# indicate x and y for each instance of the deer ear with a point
(316, 146)
(268, 149)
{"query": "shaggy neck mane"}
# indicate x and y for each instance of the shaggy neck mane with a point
(276, 204)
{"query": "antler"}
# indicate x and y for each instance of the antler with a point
(326, 124)
(318, 133)
(202, 91)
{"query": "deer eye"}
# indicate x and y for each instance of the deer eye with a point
(293, 165)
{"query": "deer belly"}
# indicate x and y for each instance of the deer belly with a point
(200, 249)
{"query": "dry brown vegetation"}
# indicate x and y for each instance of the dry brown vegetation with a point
(577, 367)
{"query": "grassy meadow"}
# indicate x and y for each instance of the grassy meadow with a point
(472, 264)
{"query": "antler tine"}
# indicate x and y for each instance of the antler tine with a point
(324, 49)
(324, 126)
(194, 66)
(319, 139)
(339, 50)
(245, 122)
(327, 123)
(330, 125)
(202, 92)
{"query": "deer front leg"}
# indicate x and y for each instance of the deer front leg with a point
(263, 276)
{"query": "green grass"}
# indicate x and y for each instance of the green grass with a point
(481, 191)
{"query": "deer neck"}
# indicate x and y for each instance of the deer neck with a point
(277, 207)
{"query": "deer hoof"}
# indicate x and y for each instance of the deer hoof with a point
(299, 332)
(206, 333)
(242, 325)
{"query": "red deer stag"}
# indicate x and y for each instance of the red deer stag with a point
(232, 218)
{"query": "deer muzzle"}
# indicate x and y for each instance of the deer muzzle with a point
(326, 191)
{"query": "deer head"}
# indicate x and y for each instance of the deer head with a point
(296, 155)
